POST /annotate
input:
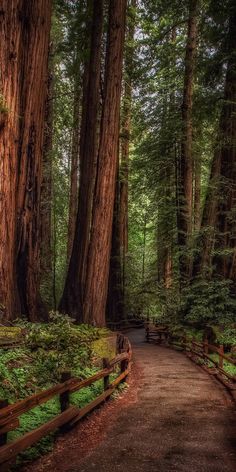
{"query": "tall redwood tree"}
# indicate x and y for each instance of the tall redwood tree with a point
(185, 191)
(101, 228)
(72, 298)
(218, 223)
(119, 248)
(25, 30)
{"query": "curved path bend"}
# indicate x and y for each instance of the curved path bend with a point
(183, 421)
(180, 419)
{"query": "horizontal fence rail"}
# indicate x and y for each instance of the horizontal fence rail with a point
(70, 415)
(196, 350)
(129, 323)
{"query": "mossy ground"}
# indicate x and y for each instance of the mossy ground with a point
(37, 364)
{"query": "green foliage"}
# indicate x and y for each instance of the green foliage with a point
(50, 349)
(209, 301)
(154, 173)
(226, 335)
(228, 367)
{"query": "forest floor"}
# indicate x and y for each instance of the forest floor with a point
(174, 418)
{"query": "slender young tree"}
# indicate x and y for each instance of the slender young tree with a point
(25, 29)
(125, 132)
(101, 227)
(46, 259)
(115, 297)
(74, 167)
(185, 191)
(197, 193)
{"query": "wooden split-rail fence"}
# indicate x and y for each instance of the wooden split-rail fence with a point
(129, 323)
(197, 352)
(70, 415)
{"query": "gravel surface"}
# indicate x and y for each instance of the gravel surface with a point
(174, 418)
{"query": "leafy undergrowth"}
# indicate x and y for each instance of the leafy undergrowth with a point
(179, 330)
(49, 350)
(227, 366)
(224, 334)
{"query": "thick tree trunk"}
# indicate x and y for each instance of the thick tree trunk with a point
(73, 202)
(73, 295)
(101, 228)
(184, 216)
(218, 224)
(119, 247)
(25, 28)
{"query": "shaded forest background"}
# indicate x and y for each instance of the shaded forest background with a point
(118, 155)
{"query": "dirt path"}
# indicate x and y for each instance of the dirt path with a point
(180, 420)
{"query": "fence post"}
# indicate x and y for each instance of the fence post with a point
(106, 365)
(166, 336)
(147, 332)
(192, 344)
(184, 342)
(3, 437)
(123, 366)
(221, 360)
(119, 343)
(65, 397)
(206, 347)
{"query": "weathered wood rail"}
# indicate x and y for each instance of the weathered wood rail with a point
(196, 350)
(129, 323)
(70, 415)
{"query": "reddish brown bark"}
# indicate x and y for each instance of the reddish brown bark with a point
(101, 228)
(184, 215)
(218, 225)
(25, 28)
(72, 299)
(119, 247)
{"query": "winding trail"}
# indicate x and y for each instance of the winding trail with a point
(181, 420)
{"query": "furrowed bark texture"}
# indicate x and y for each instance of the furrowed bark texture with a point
(25, 28)
(101, 228)
(119, 247)
(219, 220)
(73, 295)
